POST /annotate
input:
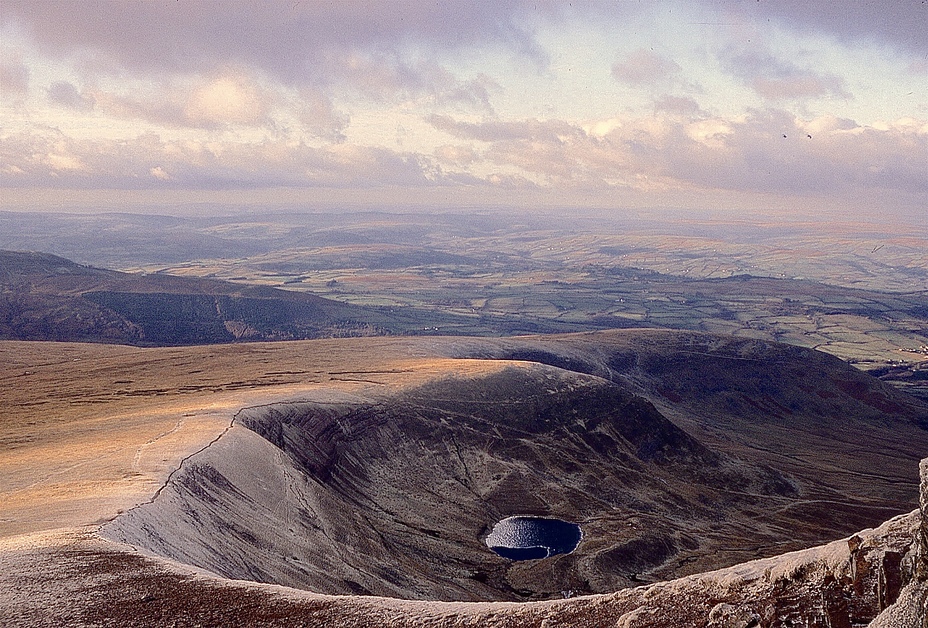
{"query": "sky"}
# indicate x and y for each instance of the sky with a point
(795, 107)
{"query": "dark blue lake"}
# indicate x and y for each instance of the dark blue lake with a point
(531, 538)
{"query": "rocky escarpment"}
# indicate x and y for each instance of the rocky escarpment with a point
(910, 610)
(874, 578)
(847, 438)
(676, 453)
(395, 497)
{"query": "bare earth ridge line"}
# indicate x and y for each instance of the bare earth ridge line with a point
(146, 445)
(180, 464)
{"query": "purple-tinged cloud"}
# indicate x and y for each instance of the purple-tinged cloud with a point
(496, 130)
(767, 151)
(900, 24)
(66, 95)
(776, 79)
(285, 39)
(677, 105)
(14, 78)
(51, 159)
(385, 78)
(227, 99)
(457, 155)
(319, 117)
(644, 67)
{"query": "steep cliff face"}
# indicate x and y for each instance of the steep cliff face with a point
(676, 454)
(921, 569)
(848, 439)
(396, 497)
(910, 610)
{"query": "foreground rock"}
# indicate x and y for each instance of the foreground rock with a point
(911, 609)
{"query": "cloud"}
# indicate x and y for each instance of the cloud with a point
(385, 78)
(243, 94)
(381, 52)
(677, 105)
(14, 77)
(643, 67)
(48, 158)
(497, 130)
(227, 100)
(64, 94)
(284, 39)
(159, 173)
(776, 79)
(318, 116)
(900, 24)
(768, 151)
(457, 155)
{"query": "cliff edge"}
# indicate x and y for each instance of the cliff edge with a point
(911, 609)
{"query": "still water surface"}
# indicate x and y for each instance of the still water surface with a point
(531, 538)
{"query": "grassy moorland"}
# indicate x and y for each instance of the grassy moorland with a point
(856, 291)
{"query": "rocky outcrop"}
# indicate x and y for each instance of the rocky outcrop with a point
(921, 569)
(910, 610)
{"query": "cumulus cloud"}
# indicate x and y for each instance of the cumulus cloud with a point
(159, 173)
(458, 155)
(227, 100)
(47, 158)
(223, 74)
(765, 151)
(379, 52)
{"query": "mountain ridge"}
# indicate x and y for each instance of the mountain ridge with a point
(46, 297)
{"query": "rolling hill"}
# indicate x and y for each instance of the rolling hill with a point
(45, 297)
